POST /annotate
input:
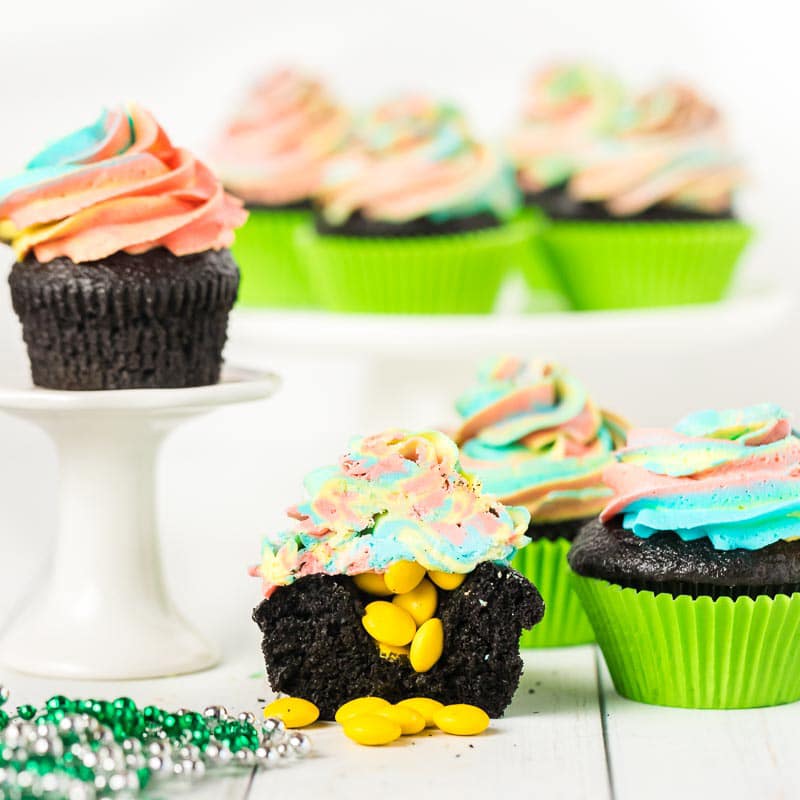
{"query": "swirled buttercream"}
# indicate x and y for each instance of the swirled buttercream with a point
(276, 146)
(534, 437)
(670, 147)
(394, 496)
(116, 185)
(567, 106)
(732, 476)
(414, 158)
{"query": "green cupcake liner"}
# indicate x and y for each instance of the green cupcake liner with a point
(696, 652)
(536, 265)
(606, 265)
(544, 563)
(272, 272)
(451, 274)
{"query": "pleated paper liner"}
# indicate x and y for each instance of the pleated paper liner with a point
(450, 274)
(273, 274)
(544, 563)
(604, 265)
(697, 652)
(537, 268)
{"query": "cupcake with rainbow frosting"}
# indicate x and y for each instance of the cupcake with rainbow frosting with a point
(650, 219)
(394, 582)
(415, 216)
(691, 574)
(534, 438)
(123, 276)
(272, 154)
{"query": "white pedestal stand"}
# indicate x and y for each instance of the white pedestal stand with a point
(103, 611)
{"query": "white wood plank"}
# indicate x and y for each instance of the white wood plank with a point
(549, 746)
(669, 753)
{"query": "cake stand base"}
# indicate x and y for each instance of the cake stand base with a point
(103, 610)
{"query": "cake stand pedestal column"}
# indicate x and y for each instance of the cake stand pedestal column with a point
(103, 610)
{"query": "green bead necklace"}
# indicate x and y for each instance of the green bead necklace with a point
(86, 749)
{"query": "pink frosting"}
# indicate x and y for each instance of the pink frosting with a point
(132, 190)
(275, 148)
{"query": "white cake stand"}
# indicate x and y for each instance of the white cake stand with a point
(103, 610)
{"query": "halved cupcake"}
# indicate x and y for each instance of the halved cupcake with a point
(533, 437)
(395, 582)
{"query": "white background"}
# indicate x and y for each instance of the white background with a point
(188, 62)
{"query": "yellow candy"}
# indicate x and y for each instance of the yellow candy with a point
(419, 602)
(403, 576)
(461, 720)
(389, 623)
(294, 711)
(359, 706)
(372, 583)
(425, 706)
(427, 645)
(409, 720)
(371, 729)
(446, 580)
(390, 651)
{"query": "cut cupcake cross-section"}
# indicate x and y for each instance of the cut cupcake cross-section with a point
(395, 582)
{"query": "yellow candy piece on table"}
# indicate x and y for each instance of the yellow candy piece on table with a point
(390, 651)
(388, 623)
(294, 711)
(361, 705)
(371, 729)
(403, 576)
(427, 645)
(372, 583)
(426, 706)
(446, 580)
(461, 719)
(409, 720)
(420, 602)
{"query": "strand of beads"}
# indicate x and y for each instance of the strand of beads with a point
(87, 749)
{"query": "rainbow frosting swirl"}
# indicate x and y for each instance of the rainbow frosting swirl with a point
(118, 184)
(394, 496)
(566, 108)
(413, 158)
(534, 438)
(732, 476)
(669, 148)
(275, 148)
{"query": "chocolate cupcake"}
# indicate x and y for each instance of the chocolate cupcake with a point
(415, 216)
(648, 218)
(123, 279)
(272, 154)
(395, 582)
(533, 437)
(691, 574)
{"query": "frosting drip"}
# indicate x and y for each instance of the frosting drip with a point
(534, 437)
(669, 148)
(394, 496)
(275, 148)
(566, 108)
(732, 476)
(116, 185)
(414, 158)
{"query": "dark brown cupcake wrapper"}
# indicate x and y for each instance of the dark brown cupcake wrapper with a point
(149, 321)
